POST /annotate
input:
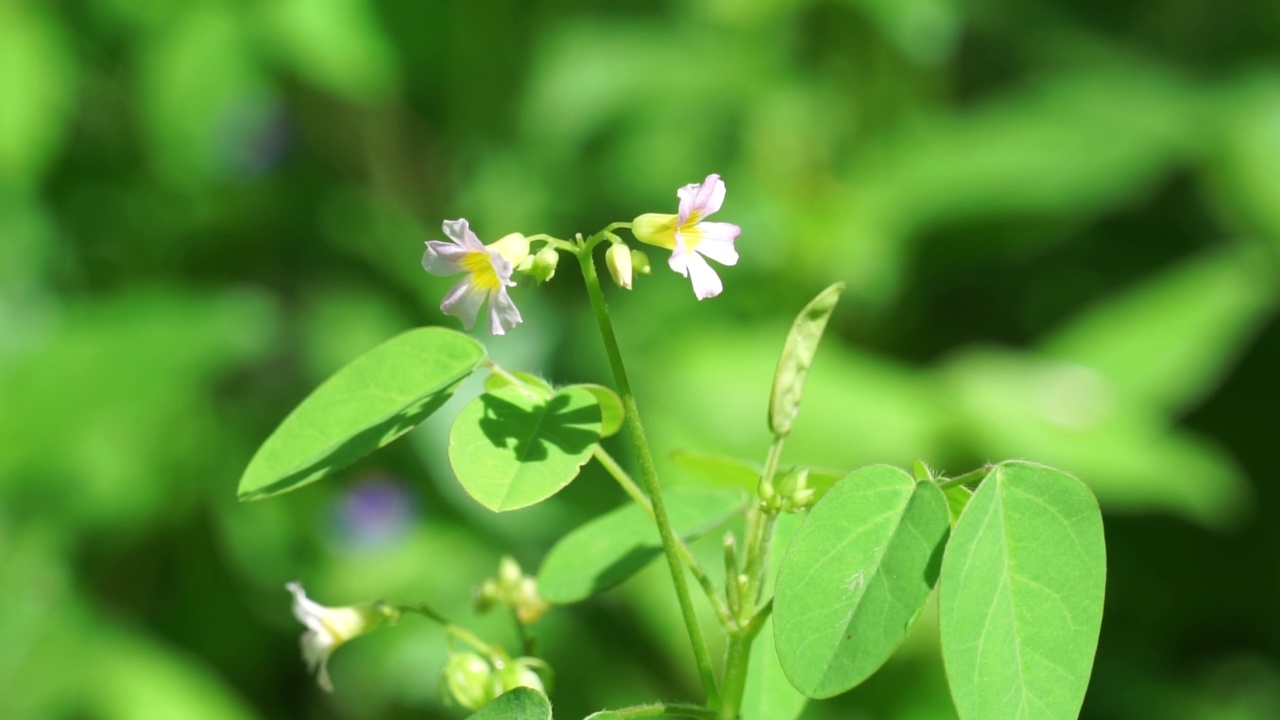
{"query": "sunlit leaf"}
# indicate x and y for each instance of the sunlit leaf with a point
(613, 547)
(1168, 341)
(1068, 415)
(855, 577)
(375, 399)
(510, 450)
(797, 358)
(1020, 600)
(720, 471)
(336, 45)
(612, 414)
(37, 85)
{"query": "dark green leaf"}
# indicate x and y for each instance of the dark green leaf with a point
(613, 547)
(510, 450)
(855, 577)
(375, 399)
(1020, 599)
(797, 358)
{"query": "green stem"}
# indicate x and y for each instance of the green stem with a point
(648, 472)
(737, 661)
(965, 479)
(629, 486)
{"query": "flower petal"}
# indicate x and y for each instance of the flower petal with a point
(717, 242)
(679, 258)
(699, 200)
(459, 231)
(443, 258)
(463, 301)
(503, 313)
(501, 267)
(706, 283)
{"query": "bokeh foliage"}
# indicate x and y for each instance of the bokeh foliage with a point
(1058, 223)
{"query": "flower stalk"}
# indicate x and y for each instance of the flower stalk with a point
(648, 471)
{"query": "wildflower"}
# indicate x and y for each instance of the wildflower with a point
(488, 269)
(690, 237)
(328, 628)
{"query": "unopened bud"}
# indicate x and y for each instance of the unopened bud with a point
(640, 262)
(543, 264)
(470, 680)
(521, 672)
(618, 259)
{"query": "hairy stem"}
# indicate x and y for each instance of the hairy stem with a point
(648, 473)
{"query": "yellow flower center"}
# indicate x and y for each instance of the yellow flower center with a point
(480, 266)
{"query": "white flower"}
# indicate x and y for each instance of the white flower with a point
(328, 628)
(488, 269)
(690, 237)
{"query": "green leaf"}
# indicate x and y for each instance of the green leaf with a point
(721, 471)
(958, 498)
(510, 450)
(337, 45)
(855, 577)
(768, 695)
(375, 399)
(521, 703)
(612, 413)
(497, 381)
(1169, 341)
(615, 546)
(37, 91)
(797, 358)
(1020, 599)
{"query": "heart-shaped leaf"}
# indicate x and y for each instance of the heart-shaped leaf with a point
(855, 576)
(375, 399)
(512, 448)
(615, 546)
(1020, 599)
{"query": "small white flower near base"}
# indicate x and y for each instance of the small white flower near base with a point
(328, 628)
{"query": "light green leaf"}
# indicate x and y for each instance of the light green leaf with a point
(855, 577)
(522, 703)
(768, 695)
(720, 471)
(1014, 405)
(604, 715)
(37, 90)
(612, 413)
(958, 498)
(797, 358)
(375, 399)
(497, 381)
(1168, 341)
(337, 45)
(615, 546)
(1020, 599)
(510, 450)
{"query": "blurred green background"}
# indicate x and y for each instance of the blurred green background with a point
(1059, 223)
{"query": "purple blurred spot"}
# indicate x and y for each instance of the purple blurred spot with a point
(375, 512)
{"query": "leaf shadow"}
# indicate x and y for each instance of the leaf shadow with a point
(355, 447)
(528, 432)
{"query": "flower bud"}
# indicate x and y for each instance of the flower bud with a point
(618, 259)
(640, 262)
(513, 248)
(543, 266)
(528, 604)
(470, 680)
(521, 673)
(486, 596)
(509, 575)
